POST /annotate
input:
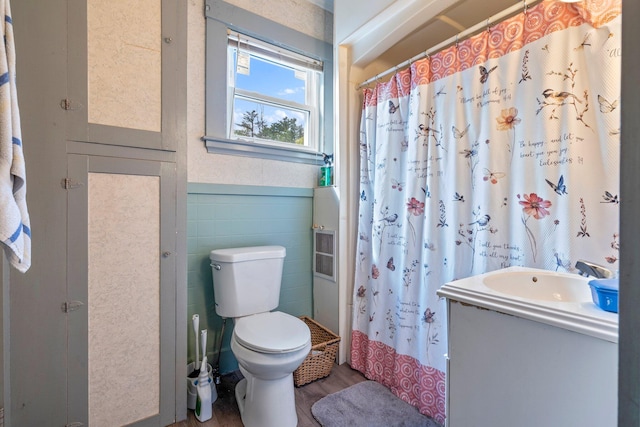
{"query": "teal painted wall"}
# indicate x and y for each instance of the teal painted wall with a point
(226, 216)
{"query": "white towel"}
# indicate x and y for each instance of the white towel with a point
(15, 231)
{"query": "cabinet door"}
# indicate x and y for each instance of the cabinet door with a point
(121, 291)
(122, 73)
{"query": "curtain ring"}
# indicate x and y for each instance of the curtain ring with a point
(525, 7)
(488, 26)
(457, 40)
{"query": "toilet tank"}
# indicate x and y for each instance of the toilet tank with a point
(247, 280)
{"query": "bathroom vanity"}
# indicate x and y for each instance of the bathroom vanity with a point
(528, 347)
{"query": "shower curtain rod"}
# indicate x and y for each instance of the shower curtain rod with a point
(455, 39)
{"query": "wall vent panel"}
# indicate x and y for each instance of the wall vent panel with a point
(324, 260)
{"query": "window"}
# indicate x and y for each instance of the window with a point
(290, 76)
(274, 96)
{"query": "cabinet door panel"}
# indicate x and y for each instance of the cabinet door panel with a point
(121, 265)
(120, 77)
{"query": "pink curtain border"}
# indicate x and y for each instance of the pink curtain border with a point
(506, 36)
(421, 386)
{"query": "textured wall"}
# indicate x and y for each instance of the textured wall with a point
(299, 15)
(119, 53)
(223, 169)
(123, 298)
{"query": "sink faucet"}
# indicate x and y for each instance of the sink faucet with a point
(587, 268)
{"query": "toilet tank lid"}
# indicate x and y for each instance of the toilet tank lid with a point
(248, 253)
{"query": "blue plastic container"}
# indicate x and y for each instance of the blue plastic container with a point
(604, 293)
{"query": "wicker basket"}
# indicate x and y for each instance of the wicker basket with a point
(319, 361)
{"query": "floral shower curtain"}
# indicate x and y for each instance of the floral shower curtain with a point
(500, 151)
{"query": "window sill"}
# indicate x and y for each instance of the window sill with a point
(262, 151)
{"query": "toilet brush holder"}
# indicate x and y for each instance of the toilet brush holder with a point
(192, 387)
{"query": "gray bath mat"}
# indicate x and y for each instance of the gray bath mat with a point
(367, 404)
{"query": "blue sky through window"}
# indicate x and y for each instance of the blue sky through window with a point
(274, 80)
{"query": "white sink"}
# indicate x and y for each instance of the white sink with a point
(554, 298)
(540, 285)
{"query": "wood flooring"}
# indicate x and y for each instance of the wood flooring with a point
(225, 410)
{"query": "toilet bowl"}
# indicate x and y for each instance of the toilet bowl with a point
(265, 396)
(269, 345)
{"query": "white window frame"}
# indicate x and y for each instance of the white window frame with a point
(313, 107)
(222, 17)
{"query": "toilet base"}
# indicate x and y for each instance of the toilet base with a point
(267, 403)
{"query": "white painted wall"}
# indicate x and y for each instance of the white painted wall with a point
(352, 14)
(209, 168)
(385, 28)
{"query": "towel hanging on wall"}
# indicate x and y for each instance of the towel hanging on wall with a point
(15, 232)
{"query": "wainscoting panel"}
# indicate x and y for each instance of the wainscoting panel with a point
(225, 216)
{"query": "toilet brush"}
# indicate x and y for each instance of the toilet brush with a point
(196, 366)
(203, 341)
(203, 410)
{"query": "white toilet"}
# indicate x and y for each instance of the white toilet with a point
(268, 345)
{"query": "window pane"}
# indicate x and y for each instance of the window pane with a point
(271, 79)
(255, 119)
(274, 94)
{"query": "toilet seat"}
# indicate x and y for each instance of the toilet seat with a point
(272, 332)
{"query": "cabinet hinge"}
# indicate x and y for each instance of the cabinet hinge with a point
(76, 424)
(67, 104)
(69, 184)
(69, 306)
